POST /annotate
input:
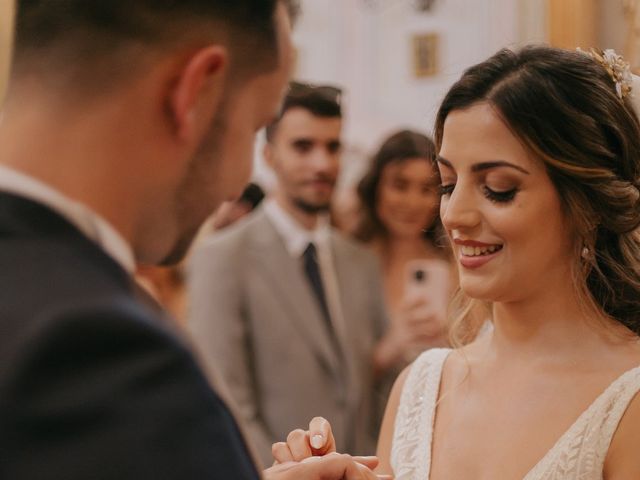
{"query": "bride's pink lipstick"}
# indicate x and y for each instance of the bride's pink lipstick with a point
(476, 261)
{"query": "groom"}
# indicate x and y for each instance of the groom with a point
(126, 123)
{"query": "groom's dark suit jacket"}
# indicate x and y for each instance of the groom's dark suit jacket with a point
(93, 384)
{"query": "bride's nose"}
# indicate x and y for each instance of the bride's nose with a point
(459, 210)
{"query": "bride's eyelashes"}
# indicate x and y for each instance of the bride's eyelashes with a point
(496, 196)
(500, 196)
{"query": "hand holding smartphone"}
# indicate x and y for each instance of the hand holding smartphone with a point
(428, 281)
(426, 299)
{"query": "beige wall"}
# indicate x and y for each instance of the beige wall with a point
(612, 28)
(6, 36)
(533, 24)
(573, 23)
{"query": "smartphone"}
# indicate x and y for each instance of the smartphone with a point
(429, 280)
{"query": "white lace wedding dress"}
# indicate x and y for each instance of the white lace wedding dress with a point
(578, 455)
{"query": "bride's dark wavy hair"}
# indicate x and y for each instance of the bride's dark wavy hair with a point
(563, 106)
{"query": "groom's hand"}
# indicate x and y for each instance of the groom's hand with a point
(315, 442)
(330, 467)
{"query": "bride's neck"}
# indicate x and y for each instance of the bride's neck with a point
(553, 326)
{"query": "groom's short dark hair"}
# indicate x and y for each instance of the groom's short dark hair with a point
(101, 40)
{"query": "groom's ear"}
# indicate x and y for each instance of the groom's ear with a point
(197, 92)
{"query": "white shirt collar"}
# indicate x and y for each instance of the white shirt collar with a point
(86, 220)
(295, 236)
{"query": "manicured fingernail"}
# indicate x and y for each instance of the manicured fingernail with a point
(317, 441)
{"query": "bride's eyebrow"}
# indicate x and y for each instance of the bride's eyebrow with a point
(482, 166)
(479, 167)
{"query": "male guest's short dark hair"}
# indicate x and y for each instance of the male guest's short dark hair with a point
(88, 41)
(320, 101)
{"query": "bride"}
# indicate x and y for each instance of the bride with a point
(539, 159)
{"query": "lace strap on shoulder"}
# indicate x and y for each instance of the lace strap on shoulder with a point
(411, 447)
(614, 405)
(582, 450)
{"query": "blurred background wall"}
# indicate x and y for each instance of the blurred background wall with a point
(368, 47)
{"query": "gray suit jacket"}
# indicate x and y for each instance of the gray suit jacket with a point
(256, 321)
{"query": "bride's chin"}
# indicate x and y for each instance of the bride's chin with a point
(478, 292)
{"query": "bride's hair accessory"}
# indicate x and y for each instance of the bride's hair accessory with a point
(627, 84)
(617, 68)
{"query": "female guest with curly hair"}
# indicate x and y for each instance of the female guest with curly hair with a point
(399, 197)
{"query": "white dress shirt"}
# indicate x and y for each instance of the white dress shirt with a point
(86, 220)
(296, 239)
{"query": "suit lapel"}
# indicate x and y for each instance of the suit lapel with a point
(270, 259)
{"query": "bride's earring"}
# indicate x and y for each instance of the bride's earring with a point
(588, 253)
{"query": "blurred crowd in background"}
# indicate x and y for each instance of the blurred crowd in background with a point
(330, 172)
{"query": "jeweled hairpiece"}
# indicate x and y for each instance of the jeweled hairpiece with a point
(617, 68)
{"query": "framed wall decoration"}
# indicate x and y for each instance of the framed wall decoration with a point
(425, 54)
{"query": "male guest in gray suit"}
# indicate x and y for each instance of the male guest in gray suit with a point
(288, 310)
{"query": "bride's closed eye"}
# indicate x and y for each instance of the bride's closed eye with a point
(500, 196)
(497, 196)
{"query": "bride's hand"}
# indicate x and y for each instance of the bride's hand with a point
(302, 446)
(330, 467)
(318, 441)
